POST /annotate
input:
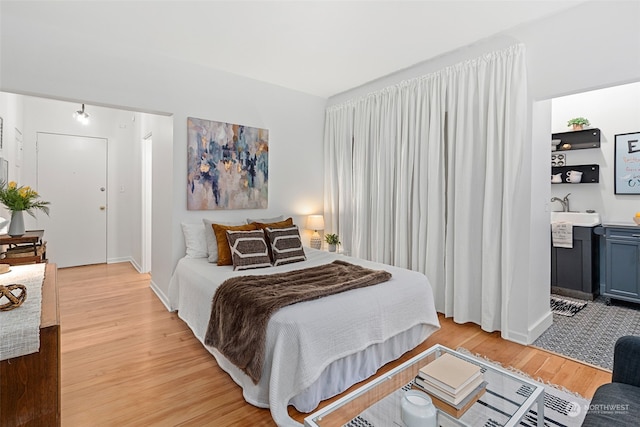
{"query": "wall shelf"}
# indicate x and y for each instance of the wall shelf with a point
(577, 139)
(590, 173)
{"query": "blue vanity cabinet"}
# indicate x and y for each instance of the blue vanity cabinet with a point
(622, 263)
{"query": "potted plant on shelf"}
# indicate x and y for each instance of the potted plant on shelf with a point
(332, 240)
(19, 199)
(578, 123)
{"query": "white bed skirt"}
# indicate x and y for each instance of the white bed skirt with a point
(339, 375)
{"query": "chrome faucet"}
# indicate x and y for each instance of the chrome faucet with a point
(564, 202)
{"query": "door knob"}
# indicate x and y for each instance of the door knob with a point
(102, 188)
(103, 208)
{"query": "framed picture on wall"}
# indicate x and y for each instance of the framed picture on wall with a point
(627, 163)
(4, 170)
(227, 165)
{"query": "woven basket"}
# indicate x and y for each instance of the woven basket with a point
(25, 251)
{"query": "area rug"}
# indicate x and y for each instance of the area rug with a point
(561, 407)
(565, 306)
(591, 334)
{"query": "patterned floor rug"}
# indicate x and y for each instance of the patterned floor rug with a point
(562, 408)
(565, 306)
(591, 333)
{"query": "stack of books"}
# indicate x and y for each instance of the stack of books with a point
(453, 384)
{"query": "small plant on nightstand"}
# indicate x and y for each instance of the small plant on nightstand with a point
(332, 240)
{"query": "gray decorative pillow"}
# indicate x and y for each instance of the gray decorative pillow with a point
(266, 220)
(286, 245)
(248, 249)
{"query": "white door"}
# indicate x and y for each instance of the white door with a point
(72, 175)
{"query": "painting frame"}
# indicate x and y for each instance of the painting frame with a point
(626, 165)
(227, 166)
(4, 170)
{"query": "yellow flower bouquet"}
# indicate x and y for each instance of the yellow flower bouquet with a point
(22, 198)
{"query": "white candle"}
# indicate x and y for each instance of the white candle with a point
(417, 410)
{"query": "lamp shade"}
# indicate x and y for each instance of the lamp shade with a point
(315, 222)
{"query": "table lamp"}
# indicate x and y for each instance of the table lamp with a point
(315, 223)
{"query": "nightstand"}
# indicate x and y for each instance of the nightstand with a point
(339, 252)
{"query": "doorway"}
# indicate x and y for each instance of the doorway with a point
(147, 177)
(72, 175)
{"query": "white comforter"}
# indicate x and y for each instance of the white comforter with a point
(304, 339)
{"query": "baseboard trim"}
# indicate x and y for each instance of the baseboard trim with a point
(120, 259)
(161, 295)
(515, 337)
(540, 326)
(129, 260)
(136, 266)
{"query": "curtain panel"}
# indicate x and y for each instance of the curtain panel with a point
(424, 175)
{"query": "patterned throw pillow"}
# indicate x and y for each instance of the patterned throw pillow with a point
(248, 249)
(224, 253)
(286, 245)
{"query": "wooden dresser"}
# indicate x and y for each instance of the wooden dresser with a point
(30, 384)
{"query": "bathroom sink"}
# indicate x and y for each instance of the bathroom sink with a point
(579, 219)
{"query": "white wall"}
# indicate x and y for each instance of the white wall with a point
(52, 116)
(140, 126)
(11, 111)
(614, 111)
(537, 263)
(609, 54)
(39, 60)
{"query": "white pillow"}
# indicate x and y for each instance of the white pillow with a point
(266, 220)
(195, 240)
(210, 237)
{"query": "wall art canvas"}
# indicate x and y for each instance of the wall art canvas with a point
(228, 166)
(627, 163)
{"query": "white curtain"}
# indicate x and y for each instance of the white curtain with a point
(423, 175)
(338, 203)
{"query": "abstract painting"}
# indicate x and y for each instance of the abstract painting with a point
(228, 166)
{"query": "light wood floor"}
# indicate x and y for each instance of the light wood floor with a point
(127, 361)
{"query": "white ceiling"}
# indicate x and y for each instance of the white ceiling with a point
(317, 47)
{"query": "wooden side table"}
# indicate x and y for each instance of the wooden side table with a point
(30, 384)
(32, 237)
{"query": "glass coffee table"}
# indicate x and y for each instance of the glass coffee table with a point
(507, 400)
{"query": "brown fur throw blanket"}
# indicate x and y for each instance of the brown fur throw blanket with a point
(243, 305)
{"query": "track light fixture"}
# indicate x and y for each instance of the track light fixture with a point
(82, 116)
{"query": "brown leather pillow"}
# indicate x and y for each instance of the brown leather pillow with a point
(224, 252)
(280, 224)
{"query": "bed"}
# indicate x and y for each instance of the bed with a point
(315, 349)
